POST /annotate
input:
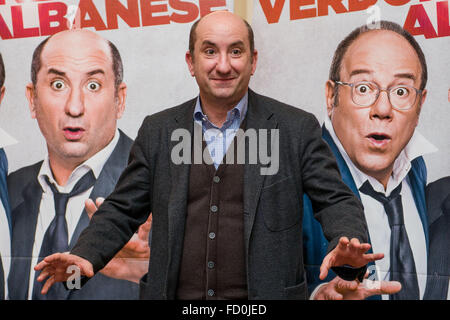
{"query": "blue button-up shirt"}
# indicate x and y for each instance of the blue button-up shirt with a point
(219, 139)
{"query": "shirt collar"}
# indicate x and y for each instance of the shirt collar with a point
(6, 139)
(417, 146)
(239, 111)
(95, 163)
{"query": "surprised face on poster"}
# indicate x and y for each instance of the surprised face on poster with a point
(378, 101)
(75, 97)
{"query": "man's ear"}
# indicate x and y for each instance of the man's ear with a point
(254, 61)
(121, 98)
(329, 96)
(2, 93)
(30, 93)
(190, 62)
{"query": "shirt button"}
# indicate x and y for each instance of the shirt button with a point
(210, 264)
(220, 135)
(214, 208)
(216, 179)
(212, 235)
(210, 292)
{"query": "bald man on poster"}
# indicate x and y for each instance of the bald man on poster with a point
(76, 94)
(223, 230)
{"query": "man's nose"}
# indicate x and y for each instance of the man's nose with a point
(382, 108)
(75, 103)
(223, 64)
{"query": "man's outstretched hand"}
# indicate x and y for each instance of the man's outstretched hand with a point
(339, 289)
(55, 266)
(352, 253)
(131, 262)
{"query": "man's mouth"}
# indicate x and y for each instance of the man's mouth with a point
(223, 80)
(73, 133)
(379, 139)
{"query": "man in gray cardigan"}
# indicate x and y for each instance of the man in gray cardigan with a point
(224, 229)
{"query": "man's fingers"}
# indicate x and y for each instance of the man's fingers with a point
(354, 243)
(343, 242)
(48, 284)
(45, 273)
(390, 287)
(47, 261)
(326, 265)
(333, 296)
(364, 247)
(90, 207)
(41, 265)
(99, 201)
(347, 285)
(64, 260)
(381, 287)
(144, 229)
(56, 257)
(150, 218)
(374, 256)
(86, 268)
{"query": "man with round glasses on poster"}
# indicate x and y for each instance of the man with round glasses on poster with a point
(374, 95)
(365, 94)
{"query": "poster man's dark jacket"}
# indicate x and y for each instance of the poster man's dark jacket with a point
(272, 210)
(438, 204)
(25, 197)
(5, 203)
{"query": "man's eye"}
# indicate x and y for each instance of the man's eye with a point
(210, 52)
(58, 85)
(236, 52)
(93, 86)
(362, 89)
(401, 92)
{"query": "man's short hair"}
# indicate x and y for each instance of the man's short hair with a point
(343, 46)
(116, 58)
(2, 72)
(193, 37)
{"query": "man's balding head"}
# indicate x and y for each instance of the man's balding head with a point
(193, 32)
(117, 64)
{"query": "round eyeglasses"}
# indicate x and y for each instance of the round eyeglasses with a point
(365, 94)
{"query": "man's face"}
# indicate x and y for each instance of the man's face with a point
(374, 136)
(222, 63)
(75, 101)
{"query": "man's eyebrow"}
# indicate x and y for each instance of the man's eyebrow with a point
(57, 72)
(62, 74)
(237, 43)
(359, 71)
(96, 71)
(406, 75)
(208, 43)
